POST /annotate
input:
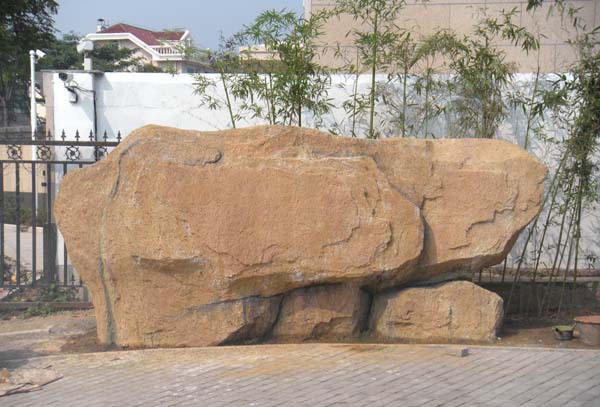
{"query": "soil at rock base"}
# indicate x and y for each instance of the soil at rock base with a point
(523, 331)
(75, 332)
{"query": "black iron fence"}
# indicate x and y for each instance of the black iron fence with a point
(32, 252)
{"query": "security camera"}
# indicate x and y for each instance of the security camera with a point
(64, 76)
(85, 46)
(70, 85)
(40, 53)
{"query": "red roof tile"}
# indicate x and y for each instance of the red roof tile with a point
(148, 36)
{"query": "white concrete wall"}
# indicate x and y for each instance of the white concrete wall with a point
(71, 116)
(126, 101)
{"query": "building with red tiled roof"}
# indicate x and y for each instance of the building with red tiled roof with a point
(163, 49)
(151, 38)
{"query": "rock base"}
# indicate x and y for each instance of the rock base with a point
(456, 311)
(327, 313)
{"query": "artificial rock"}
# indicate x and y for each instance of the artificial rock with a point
(456, 311)
(199, 238)
(326, 312)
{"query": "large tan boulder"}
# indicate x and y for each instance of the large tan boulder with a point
(174, 220)
(327, 312)
(453, 311)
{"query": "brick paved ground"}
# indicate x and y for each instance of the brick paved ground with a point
(320, 375)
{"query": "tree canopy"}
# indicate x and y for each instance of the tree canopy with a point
(24, 25)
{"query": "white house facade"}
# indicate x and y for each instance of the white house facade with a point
(167, 50)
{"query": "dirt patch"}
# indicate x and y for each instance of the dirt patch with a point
(60, 320)
(75, 332)
(522, 331)
(52, 293)
(87, 342)
(40, 336)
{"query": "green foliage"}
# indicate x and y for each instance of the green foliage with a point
(47, 295)
(583, 89)
(37, 310)
(428, 84)
(109, 57)
(574, 100)
(375, 45)
(148, 68)
(412, 68)
(62, 53)
(405, 54)
(23, 214)
(227, 64)
(12, 213)
(295, 83)
(533, 4)
(381, 37)
(24, 25)
(42, 215)
(478, 77)
(279, 90)
(482, 74)
(55, 293)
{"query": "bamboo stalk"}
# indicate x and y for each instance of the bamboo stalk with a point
(559, 252)
(564, 282)
(354, 96)
(538, 255)
(228, 100)
(373, 73)
(404, 100)
(531, 100)
(554, 184)
(577, 239)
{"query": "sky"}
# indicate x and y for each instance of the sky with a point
(204, 19)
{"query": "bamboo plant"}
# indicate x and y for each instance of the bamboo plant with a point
(295, 82)
(374, 39)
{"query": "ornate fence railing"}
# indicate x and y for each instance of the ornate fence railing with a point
(32, 251)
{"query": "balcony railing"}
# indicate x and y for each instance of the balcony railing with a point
(162, 50)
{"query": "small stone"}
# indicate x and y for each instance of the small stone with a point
(4, 375)
(458, 352)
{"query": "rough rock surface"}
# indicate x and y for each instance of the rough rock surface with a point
(246, 320)
(454, 311)
(172, 221)
(328, 312)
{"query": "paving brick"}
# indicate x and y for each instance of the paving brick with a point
(321, 375)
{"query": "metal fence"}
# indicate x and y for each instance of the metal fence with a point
(32, 251)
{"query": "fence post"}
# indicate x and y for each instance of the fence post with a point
(50, 253)
(51, 161)
(2, 271)
(50, 236)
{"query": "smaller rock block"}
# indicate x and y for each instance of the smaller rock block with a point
(330, 312)
(454, 311)
(246, 320)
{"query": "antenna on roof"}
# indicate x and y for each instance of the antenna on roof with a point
(101, 25)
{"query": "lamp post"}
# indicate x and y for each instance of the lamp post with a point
(32, 110)
(33, 57)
